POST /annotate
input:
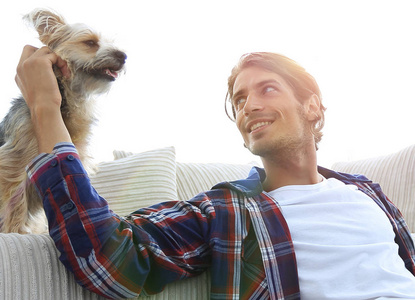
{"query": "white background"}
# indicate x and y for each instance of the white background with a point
(180, 53)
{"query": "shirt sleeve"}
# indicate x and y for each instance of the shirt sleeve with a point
(113, 256)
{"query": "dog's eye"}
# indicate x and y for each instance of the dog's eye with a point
(91, 43)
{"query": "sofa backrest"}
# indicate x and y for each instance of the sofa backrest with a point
(193, 178)
(396, 175)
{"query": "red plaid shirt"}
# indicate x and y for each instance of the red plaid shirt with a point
(235, 229)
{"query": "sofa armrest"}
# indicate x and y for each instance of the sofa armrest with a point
(30, 269)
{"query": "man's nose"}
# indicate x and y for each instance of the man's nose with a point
(253, 103)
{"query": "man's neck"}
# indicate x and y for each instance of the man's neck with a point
(299, 169)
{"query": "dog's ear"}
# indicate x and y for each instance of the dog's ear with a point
(46, 23)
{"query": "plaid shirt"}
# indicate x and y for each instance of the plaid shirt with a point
(236, 229)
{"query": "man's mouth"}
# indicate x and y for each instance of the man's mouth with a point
(259, 125)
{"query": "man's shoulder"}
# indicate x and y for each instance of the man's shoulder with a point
(344, 177)
(217, 195)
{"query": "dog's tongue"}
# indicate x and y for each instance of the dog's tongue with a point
(111, 73)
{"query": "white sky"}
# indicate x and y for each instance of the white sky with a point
(180, 53)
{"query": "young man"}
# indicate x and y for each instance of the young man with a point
(291, 230)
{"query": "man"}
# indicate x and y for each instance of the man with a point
(291, 230)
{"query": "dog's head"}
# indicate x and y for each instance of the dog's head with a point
(94, 62)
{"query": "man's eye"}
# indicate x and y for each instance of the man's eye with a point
(239, 103)
(269, 89)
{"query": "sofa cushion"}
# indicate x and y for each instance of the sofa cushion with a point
(137, 180)
(396, 175)
(194, 178)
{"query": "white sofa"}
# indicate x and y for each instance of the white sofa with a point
(29, 265)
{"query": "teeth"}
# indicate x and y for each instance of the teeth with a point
(111, 73)
(257, 125)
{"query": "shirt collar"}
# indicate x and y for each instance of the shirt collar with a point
(252, 185)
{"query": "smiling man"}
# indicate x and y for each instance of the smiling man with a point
(340, 231)
(291, 230)
(276, 126)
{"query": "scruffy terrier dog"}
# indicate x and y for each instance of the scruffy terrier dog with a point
(94, 64)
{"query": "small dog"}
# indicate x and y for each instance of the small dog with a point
(94, 64)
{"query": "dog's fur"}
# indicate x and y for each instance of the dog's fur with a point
(94, 63)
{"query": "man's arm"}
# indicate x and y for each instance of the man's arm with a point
(108, 255)
(39, 87)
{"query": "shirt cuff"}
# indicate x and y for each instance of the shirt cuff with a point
(38, 164)
(46, 170)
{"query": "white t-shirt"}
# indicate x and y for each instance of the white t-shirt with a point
(344, 243)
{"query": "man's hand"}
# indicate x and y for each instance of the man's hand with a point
(35, 77)
(38, 84)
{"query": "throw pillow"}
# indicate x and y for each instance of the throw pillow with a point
(138, 180)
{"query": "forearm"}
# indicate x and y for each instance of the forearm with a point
(49, 127)
(37, 82)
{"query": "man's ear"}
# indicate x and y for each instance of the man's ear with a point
(313, 108)
(46, 23)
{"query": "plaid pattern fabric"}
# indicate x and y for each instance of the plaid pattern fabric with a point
(235, 229)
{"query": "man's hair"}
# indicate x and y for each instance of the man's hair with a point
(302, 83)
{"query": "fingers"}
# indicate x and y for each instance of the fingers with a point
(55, 60)
(63, 66)
(35, 77)
(26, 53)
(30, 52)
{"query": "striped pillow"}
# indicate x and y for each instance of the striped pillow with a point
(137, 180)
(396, 175)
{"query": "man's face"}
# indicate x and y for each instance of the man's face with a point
(268, 115)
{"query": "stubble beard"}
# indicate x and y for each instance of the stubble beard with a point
(282, 150)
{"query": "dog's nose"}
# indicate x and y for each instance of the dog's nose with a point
(121, 56)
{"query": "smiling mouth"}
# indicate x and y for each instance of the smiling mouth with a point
(258, 125)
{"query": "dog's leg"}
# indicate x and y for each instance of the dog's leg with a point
(15, 212)
(15, 154)
(22, 212)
